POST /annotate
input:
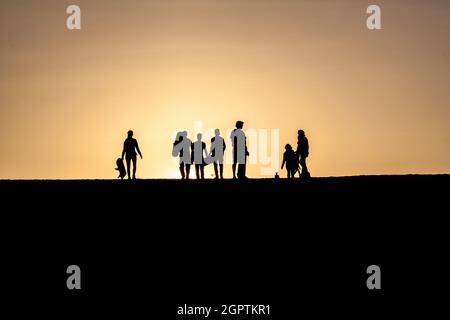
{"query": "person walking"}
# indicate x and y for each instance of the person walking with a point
(130, 146)
(303, 152)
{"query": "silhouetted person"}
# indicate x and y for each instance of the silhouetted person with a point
(121, 168)
(240, 152)
(303, 152)
(182, 147)
(198, 153)
(130, 146)
(217, 150)
(291, 161)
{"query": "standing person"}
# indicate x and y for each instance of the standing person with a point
(303, 152)
(130, 146)
(182, 147)
(217, 150)
(290, 159)
(198, 153)
(240, 152)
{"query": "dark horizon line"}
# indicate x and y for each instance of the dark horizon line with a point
(212, 179)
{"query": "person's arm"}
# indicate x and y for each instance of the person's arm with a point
(224, 145)
(307, 147)
(137, 149)
(246, 150)
(211, 149)
(203, 152)
(282, 164)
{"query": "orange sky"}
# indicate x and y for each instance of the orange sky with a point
(371, 102)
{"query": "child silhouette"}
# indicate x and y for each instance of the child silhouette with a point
(290, 159)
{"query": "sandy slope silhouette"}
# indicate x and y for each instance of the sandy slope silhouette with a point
(212, 239)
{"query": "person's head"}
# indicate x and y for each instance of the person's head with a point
(199, 136)
(217, 132)
(179, 136)
(130, 133)
(301, 133)
(239, 124)
(288, 147)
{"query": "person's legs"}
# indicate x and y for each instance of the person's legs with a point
(128, 160)
(241, 171)
(134, 166)
(304, 167)
(234, 163)
(215, 170)
(221, 170)
(182, 170)
(197, 173)
(302, 164)
(202, 171)
(188, 170)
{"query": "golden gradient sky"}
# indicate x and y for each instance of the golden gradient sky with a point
(371, 102)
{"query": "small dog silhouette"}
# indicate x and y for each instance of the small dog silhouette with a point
(121, 168)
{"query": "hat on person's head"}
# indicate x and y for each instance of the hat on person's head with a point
(239, 123)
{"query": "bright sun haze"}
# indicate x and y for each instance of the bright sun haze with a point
(371, 102)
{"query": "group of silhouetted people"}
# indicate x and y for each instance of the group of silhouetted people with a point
(196, 153)
(294, 159)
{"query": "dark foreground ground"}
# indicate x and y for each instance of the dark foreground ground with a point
(148, 246)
